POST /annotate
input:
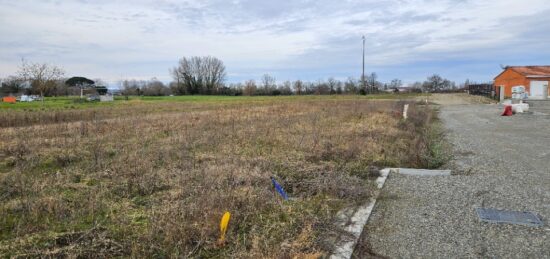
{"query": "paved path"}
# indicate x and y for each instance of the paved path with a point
(500, 162)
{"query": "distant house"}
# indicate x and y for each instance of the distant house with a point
(535, 79)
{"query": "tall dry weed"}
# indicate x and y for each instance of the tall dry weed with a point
(153, 181)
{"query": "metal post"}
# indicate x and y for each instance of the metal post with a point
(363, 75)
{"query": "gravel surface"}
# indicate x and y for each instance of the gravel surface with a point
(499, 162)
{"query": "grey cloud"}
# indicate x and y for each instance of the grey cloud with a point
(408, 17)
(313, 37)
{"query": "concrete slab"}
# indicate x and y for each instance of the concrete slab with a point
(511, 217)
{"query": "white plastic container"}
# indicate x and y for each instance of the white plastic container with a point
(520, 107)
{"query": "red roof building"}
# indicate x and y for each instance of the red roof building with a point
(535, 79)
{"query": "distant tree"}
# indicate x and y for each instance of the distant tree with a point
(12, 85)
(298, 87)
(339, 89)
(350, 86)
(371, 82)
(395, 83)
(268, 81)
(42, 76)
(436, 83)
(154, 87)
(286, 88)
(321, 87)
(309, 88)
(177, 88)
(415, 87)
(61, 89)
(132, 87)
(332, 84)
(199, 75)
(249, 88)
(269, 85)
(79, 81)
(234, 89)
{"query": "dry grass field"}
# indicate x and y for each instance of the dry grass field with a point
(153, 179)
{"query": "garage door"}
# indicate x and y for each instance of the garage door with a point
(538, 89)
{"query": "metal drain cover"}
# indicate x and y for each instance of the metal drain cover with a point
(507, 216)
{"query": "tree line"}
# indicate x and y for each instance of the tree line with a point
(206, 76)
(47, 80)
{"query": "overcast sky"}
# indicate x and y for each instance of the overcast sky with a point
(308, 40)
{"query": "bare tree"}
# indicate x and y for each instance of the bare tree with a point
(339, 89)
(286, 88)
(12, 85)
(321, 87)
(132, 87)
(350, 86)
(61, 88)
(332, 84)
(395, 83)
(154, 87)
(249, 87)
(436, 83)
(298, 87)
(268, 81)
(234, 89)
(199, 75)
(42, 76)
(416, 87)
(309, 88)
(269, 84)
(372, 83)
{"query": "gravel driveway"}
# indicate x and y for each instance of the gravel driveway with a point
(499, 162)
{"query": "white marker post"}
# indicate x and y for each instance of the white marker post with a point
(405, 110)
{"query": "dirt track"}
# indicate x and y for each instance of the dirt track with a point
(499, 162)
(458, 99)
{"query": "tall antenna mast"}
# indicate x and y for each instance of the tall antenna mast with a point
(363, 75)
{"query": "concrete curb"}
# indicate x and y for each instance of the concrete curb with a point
(422, 172)
(355, 223)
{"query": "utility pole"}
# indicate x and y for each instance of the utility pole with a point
(363, 74)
